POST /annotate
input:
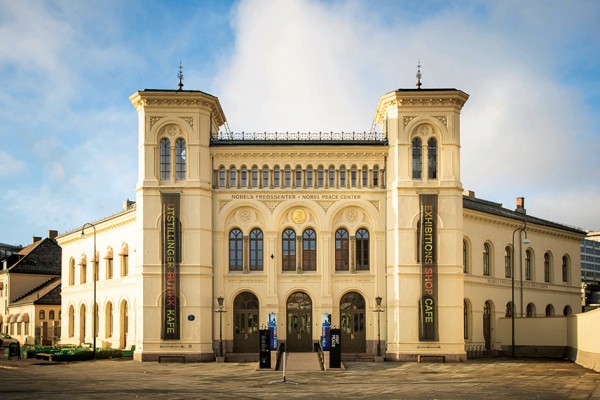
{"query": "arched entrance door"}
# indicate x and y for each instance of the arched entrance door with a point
(82, 324)
(245, 334)
(124, 313)
(352, 323)
(299, 322)
(487, 325)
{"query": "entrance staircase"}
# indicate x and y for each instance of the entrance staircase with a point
(303, 362)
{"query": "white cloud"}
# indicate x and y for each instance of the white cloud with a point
(9, 165)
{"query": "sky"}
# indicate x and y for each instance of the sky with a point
(531, 127)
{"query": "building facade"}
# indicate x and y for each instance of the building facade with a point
(300, 232)
(590, 270)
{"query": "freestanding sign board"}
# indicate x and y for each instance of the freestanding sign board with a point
(265, 348)
(335, 346)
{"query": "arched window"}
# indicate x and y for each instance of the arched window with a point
(567, 311)
(180, 159)
(276, 176)
(309, 250)
(547, 267)
(510, 309)
(71, 321)
(365, 176)
(222, 182)
(165, 159)
(309, 176)
(298, 177)
(256, 250)
(254, 177)
(109, 263)
(353, 176)
(72, 271)
(342, 176)
(417, 158)
(320, 176)
(465, 257)
(287, 176)
(244, 177)
(331, 176)
(342, 248)
(530, 310)
(362, 250)
(565, 268)
(288, 242)
(124, 259)
(42, 314)
(265, 176)
(528, 260)
(83, 270)
(108, 318)
(431, 159)
(376, 176)
(232, 177)
(507, 262)
(235, 250)
(51, 314)
(486, 259)
(466, 319)
(549, 310)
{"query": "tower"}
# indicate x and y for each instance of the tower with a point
(424, 222)
(174, 222)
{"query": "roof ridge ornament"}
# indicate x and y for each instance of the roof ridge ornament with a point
(180, 76)
(419, 74)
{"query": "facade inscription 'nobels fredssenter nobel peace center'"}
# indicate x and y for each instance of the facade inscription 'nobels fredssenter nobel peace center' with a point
(301, 232)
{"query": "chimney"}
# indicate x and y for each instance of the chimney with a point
(469, 193)
(521, 205)
(52, 234)
(36, 239)
(127, 204)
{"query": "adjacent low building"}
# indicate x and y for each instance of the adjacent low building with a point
(371, 233)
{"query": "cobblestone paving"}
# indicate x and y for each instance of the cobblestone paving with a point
(124, 379)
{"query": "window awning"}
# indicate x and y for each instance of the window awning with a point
(13, 318)
(24, 317)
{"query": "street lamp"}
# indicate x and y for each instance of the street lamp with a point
(512, 274)
(378, 310)
(94, 277)
(220, 311)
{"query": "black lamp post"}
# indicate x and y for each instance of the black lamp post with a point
(94, 277)
(512, 274)
(378, 310)
(220, 311)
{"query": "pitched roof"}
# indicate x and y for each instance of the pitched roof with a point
(46, 293)
(41, 257)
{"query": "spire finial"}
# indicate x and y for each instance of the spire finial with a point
(180, 76)
(419, 74)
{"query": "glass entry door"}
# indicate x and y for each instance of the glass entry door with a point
(245, 334)
(299, 323)
(352, 323)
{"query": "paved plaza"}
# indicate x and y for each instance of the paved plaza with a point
(498, 378)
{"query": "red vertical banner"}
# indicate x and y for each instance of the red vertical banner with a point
(171, 258)
(428, 307)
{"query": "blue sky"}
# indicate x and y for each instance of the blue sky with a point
(67, 69)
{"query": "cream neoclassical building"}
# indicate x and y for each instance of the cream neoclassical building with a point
(299, 230)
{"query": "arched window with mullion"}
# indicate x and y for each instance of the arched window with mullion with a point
(288, 244)
(309, 250)
(362, 250)
(528, 257)
(165, 160)
(256, 250)
(417, 159)
(342, 250)
(486, 259)
(432, 159)
(508, 262)
(343, 176)
(180, 155)
(235, 250)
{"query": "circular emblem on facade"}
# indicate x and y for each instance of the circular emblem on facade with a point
(425, 130)
(246, 216)
(172, 130)
(351, 215)
(299, 216)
